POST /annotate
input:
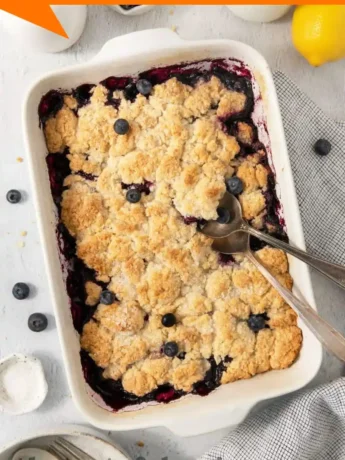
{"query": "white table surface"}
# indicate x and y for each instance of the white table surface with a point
(19, 67)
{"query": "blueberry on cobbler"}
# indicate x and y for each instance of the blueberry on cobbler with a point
(223, 215)
(121, 126)
(170, 349)
(144, 87)
(13, 196)
(257, 322)
(169, 320)
(21, 291)
(234, 185)
(107, 297)
(133, 195)
(322, 147)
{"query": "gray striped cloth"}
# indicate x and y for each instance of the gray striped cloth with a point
(309, 425)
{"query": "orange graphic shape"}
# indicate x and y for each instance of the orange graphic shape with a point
(38, 12)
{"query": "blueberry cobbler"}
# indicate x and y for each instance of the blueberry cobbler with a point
(135, 165)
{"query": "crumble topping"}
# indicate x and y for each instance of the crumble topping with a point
(153, 261)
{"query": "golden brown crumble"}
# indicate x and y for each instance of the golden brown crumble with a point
(152, 260)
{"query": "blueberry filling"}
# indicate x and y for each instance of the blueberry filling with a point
(225, 259)
(49, 105)
(142, 188)
(83, 93)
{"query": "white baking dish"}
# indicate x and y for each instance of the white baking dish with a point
(229, 404)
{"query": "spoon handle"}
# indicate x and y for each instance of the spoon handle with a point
(334, 272)
(328, 336)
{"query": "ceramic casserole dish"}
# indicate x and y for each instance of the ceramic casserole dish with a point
(229, 404)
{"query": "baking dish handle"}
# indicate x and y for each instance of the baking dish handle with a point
(136, 42)
(201, 424)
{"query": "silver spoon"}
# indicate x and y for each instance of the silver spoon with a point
(231, 214)
(238, 242)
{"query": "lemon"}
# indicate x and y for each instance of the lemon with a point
(318, 32)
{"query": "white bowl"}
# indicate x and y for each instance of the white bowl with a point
(23, 386)
(259, 13)
(140, 9)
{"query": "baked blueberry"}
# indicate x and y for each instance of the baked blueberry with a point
(133, 195)
(107, 297)
(182, 355)
(234, 185)
(13, 196)
(121, 126)
(21, 291)
(322, 147)
(83, 93)
(144, 87)
(170, 349)
(169, 320)
(257, 322)
(223, 215)
(37, 322)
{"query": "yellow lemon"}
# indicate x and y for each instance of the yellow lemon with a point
(318, 32)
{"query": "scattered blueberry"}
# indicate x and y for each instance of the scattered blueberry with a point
(257, 322)
(234, 185)
(21, 291)
(133, 195)
(37, 322)
(107, 297)
(182, 355)
(121, 126)
(144, 87)
(170, 349)
(223, 216)
(169, 320)
(13, 196)
(322, 147)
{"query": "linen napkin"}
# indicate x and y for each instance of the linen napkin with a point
(309, 425)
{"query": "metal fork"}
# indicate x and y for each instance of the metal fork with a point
(65, 450)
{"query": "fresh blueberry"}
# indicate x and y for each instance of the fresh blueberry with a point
(257, 322)
(171, 349)
(37, 322)
(121, 126)
(144, 87)
(223, 216)
(13, 196)
(107, 297)
(133, 195)
(234, 185)
(322, 147)
(169, 320)
(21, 291)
